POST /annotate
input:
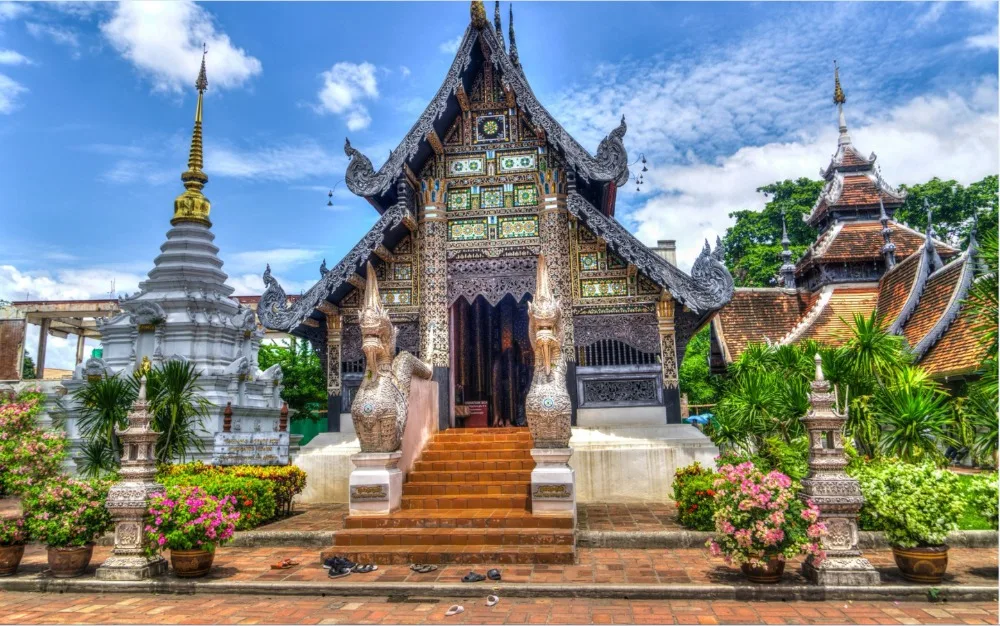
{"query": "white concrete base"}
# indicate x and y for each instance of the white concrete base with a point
(376, 485)
(553, 489)
(635, 463)
(326, 460)
(617, 417)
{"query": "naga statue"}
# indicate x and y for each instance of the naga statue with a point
(380, 404)
(547, 404)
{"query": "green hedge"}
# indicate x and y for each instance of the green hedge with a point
(255, 500)
(694, 494)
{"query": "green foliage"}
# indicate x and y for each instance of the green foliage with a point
(694, 494)
(187, 518)
(304, 378)
(914, 417)
(774, 453)
(701, 386)
(28, 368)
(13, 531)
(981, 496)
(753, 244)
(915, 505)
(956, 207)
(67, 512)
(286, 481)
(253, 498)
(29, 454)
(103, 407)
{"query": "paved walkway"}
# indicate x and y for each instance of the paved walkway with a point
(594, 565)
(616, 517)
(28, 608)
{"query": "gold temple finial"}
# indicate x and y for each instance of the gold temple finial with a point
(838, 93)
(478, 14)
(192, 205)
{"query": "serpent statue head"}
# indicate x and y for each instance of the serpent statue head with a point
(545, 319)
(378, 336)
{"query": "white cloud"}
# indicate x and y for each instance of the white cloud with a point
(405, 71)
(985, 41)
(280, 259)
(12, 10)
(127, 171)
(345, 85)
(10, 90)
(163, 41)
(65, 284)
(932, 15)
(57, 34)
(285, 161)
(451, 46)
(12, 57)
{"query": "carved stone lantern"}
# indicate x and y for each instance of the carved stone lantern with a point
(837, 495)
(128, 499)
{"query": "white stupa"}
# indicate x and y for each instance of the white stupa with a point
(183, 311)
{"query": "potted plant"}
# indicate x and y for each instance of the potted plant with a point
(191, 524)
(67, 516)
(13, 534)
(916, 506)
(760, 522)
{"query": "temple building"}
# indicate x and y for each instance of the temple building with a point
(862, 260)
(484, 182)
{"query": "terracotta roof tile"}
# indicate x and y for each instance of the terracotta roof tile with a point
(895, 287)
(863, 240)
(831, 325)
(852, 158)
(859, 191)
(934, 301)
(754, 315)
(959, 350)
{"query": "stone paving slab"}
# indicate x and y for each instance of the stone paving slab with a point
(75, 608)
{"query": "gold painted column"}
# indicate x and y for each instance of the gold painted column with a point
(434, 330)
(334, 378)
(669, 361)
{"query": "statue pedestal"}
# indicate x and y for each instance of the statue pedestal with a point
(134, 567)
(854, 571)
(553, 489)
(376, 483)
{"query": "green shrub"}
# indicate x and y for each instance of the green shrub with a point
(29, 454)
(981, 496)
(915, 505)
(286, 481)
(775, 454)
(67, 512)
(254, 497)
(694, 494)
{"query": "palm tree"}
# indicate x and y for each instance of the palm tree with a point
(104, 405)
(871, 350)
(178, 410)
(915, 418)
(980, 410)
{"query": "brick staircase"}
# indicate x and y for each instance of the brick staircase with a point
(466, 500)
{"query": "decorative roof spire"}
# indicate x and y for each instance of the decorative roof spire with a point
(192, 206)
(513, 43)
(477, 12)
(787, 267)
(839, 99)
(935, 258)
(888, 248)
(496, 23)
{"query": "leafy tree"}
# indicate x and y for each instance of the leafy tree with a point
(304, 378)
(753, 244)
(28, 368)
(955, 207)
(700, 385)
(981, 406)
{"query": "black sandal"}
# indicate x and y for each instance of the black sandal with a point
(493, 574)
(364, 569)
(339, 573)
(473, 577)
(423, 569)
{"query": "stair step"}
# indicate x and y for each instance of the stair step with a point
(459, 518)
(437, 554)
(462, 445)
(468, 477)
(475, 466)
(522, 488)
(466, 502)
(463, 432)
(503, 454)
(453, 537)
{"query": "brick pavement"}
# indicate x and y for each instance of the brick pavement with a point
(594, 565)
(72, 608)
(614, 517)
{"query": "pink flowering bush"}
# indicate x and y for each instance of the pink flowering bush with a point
(187, 518)
(13, 532)
(29, 454)
(758, 517)
(67, 512)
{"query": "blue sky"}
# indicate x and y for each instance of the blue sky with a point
(96, 102)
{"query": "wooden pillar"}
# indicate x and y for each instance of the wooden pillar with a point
(43, 339)
(80, 345)
(334, 379)
(665, 310)
(434, 328)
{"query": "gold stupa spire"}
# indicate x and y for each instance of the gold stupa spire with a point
(838, 93)
(192, 206)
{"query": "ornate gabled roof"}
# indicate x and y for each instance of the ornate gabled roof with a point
(757, 315)
(833, 310)
(609, 164)
(706, 289)
(863, 241)
(940, 302)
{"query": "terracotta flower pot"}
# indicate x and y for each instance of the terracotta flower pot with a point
(70, 562)
(191, 563)
(922, 564)
(769, 573)
(10, 558)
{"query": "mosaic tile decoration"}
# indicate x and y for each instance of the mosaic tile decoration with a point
(590, 261)
(402, 271)
(518, 162)
(518, 226)
(615, 262)
(466, 166)
(491, 128)
(603, 288)
(491, 197)
(525, 195)
(459, 199)
(397, 297)
(467, 230)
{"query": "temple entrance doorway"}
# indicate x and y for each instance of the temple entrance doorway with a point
(492, 362)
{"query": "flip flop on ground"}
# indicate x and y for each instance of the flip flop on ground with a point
(473, 577)
(455, 609)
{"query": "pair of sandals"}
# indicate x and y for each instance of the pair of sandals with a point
(340, 567)
(422, 568)
(455, 609)
(284, 564)
(473, 577)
